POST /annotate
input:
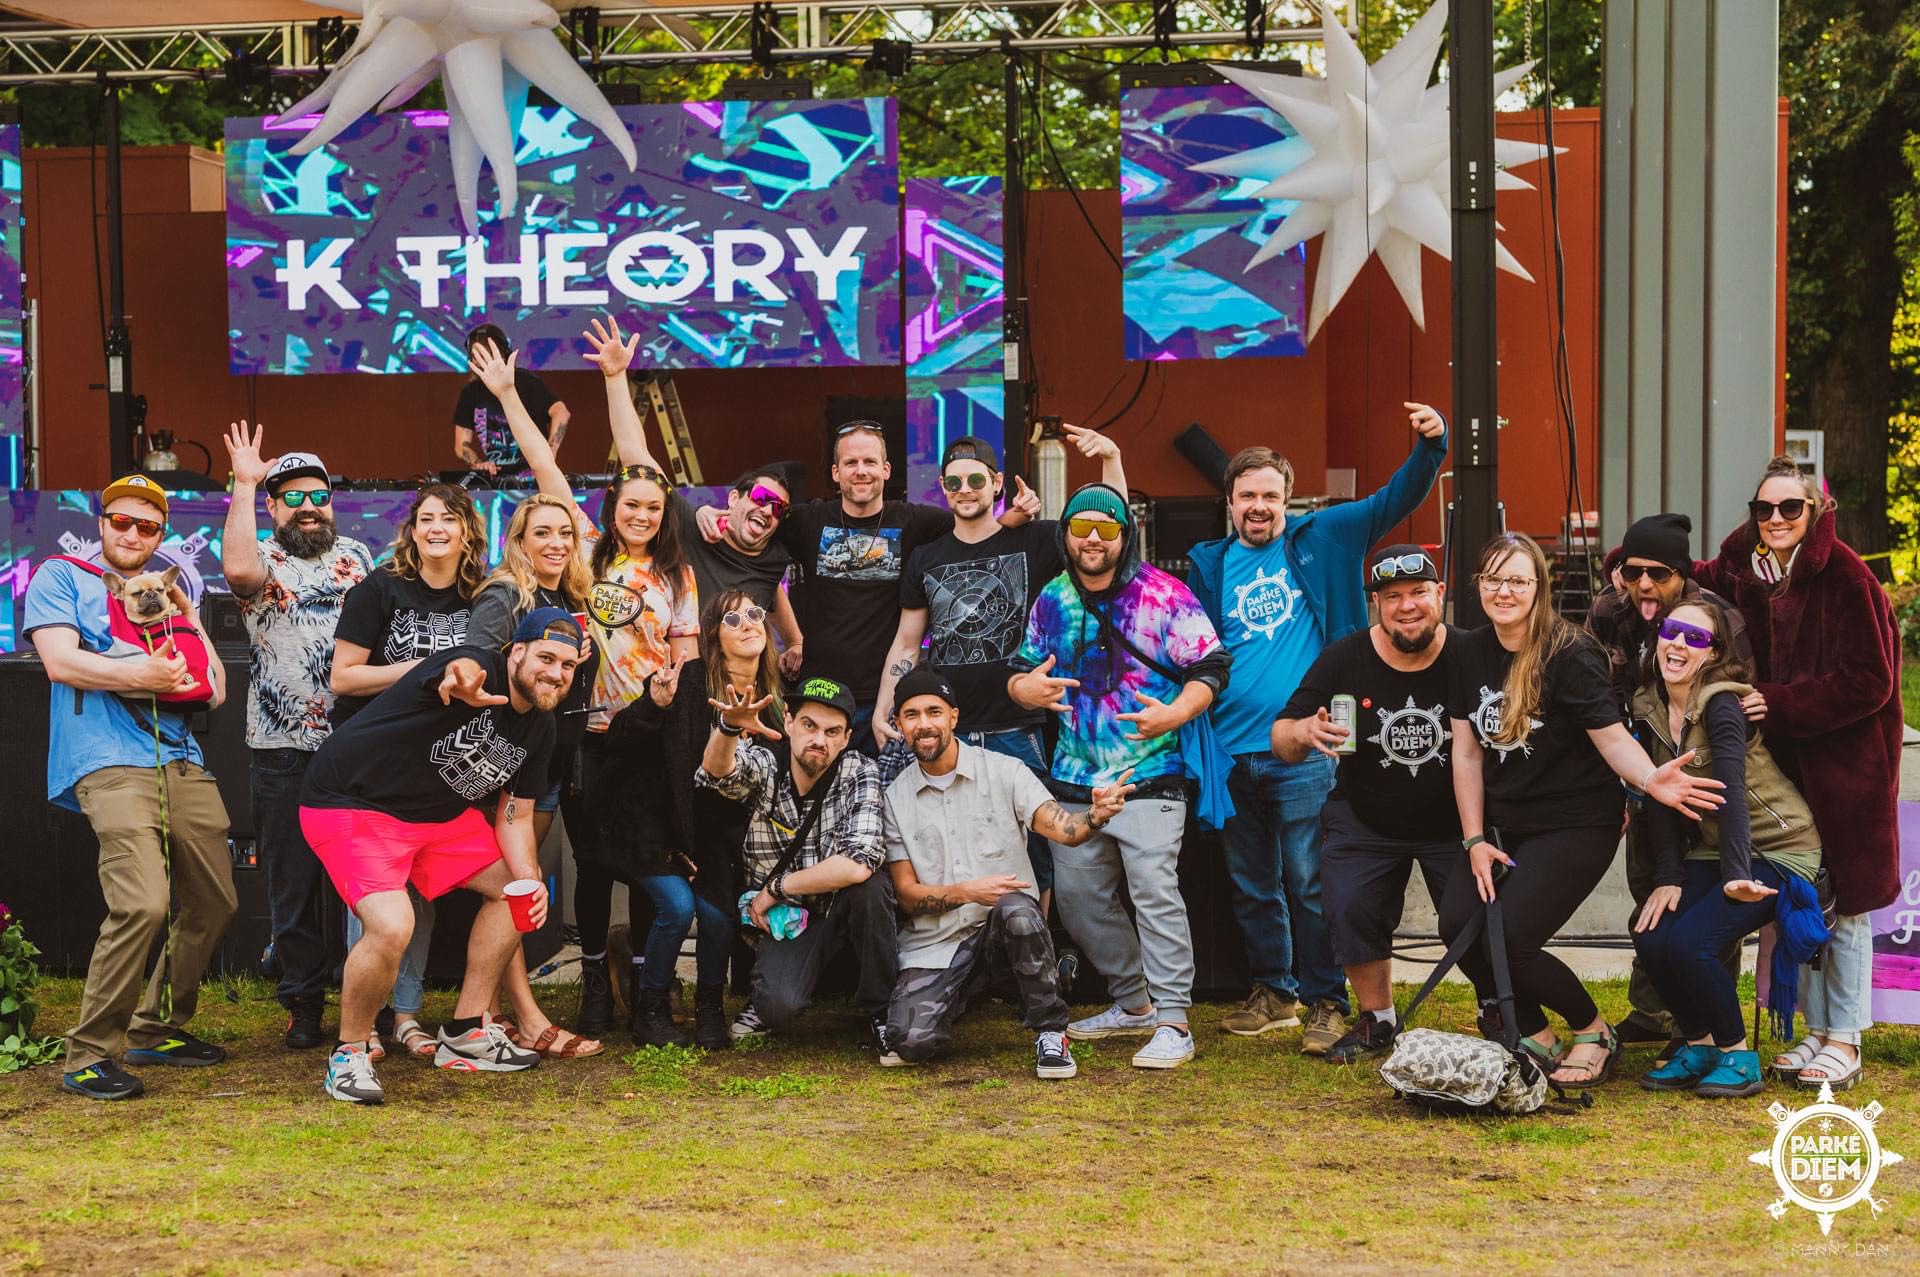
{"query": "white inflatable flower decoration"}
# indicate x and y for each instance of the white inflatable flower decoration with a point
(1379, 177)
(485, 52)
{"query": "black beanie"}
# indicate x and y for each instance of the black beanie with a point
(1664, 538)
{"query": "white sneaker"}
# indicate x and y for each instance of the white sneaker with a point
(1168, 1048)
(350, 1077)
(746, 1024)
(486, 1049)
(1114, 1020)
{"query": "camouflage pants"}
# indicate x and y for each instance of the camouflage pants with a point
(1012, 948)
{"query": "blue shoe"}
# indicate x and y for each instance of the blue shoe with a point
(1738, 1075)
(180, 1049)
(1684, 1071)
(103, 1081)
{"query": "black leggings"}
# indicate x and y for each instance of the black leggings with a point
(1553, 873)
(593, 881)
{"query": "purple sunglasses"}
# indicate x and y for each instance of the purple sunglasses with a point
(1674, 631)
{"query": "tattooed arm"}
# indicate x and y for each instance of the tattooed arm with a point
(1071, 828)
(902, 656)
(918, 897)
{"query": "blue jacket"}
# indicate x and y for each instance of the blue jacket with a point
(1326, 549)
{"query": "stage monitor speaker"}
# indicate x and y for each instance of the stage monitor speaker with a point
(1180, 523)
(891, 413)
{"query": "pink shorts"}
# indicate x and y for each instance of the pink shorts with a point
(369, 851)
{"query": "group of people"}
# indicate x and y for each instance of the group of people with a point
(962, 747)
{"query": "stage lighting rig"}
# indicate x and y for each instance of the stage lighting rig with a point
(890, 56)
(244, 71)
(767, 88)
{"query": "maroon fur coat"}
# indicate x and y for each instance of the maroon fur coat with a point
(1828, 651)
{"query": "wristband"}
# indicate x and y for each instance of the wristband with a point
(777, 886)
(1648, 778)
(728, 729)
(1468, 844)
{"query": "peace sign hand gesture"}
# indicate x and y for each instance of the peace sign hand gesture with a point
(743, 715)
(665, 682)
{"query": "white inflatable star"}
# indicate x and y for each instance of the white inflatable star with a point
(1379, 178)
(486, 52)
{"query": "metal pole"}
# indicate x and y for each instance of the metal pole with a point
(1013, 194)
(120, 424)
(1477, 514)
(33, 398)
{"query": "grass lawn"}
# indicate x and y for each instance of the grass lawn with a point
(801, 1156)
(1910, 689)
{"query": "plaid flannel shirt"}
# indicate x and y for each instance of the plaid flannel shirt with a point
(849, 824)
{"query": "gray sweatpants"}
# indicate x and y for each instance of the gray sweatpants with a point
(1140, 852)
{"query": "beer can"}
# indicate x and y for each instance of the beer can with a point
(1342, 709)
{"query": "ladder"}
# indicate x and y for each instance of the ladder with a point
(662, 404)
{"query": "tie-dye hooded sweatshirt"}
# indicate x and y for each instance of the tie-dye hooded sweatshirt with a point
(1158, 615)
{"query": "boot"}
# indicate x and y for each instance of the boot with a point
(303, 1022)
(596, 999)
(654, 1024)
(710, 1017)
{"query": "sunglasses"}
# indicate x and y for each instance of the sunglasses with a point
(772, 500)
(625, 473)
(1631, 572)
(738, 617)
(1791, 508)
(1405, 564)
(871, 427)
(1105, 529)
(1674, 631)
(298, 497)
(147, 527)
(974, 480)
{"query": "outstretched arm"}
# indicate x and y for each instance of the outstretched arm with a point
(497, 374)
(240, 541)
(901, 658)
(613, 354)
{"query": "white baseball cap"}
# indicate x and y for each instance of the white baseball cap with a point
(296, 465)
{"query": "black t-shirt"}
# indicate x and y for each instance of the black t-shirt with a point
(398, 619)
(479, 411)
(977, 597)
(1556, 779)
(1399, 778)
(847, 597)
(496, 614)
(417, 760)
(718, 567)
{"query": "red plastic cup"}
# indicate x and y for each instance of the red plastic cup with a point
(519, 894)
(580, 619)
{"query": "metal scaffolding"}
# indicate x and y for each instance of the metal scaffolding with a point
(681, 34)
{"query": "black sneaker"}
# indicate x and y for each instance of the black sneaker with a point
(180, 1049)
(877, 1040)
(303, 1023)
(1053, 1057)
(103, 1081)
(1368, 1036)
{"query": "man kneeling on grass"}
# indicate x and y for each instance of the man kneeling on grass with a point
(392, 797)
(956, 839)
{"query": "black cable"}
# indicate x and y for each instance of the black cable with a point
(1146, 366)
(1066, 179)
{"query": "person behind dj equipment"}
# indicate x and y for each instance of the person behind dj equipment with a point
(481, 438)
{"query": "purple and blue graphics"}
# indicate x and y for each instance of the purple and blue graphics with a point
(955, 314)
(11, 408)
(1186, 237)
(752, 234)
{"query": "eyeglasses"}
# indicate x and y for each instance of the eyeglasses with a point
(1674, 631)
(147, 527)
(298, 497)
(1403, 565)
(975, 480)
(1512, 584)
(1105, 529)
(625, 473)
(767, 497)
(1790, 509)
(738, 617)
(1631, 572)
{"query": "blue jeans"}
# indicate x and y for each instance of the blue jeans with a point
(1023, 745)
(410, 982)
(674, 907)
(297, 884)
(1682, 952)
(1272, 844)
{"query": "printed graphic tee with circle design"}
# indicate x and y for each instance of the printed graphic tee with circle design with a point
(1555, 779)
(414, 759)
(398, 619)
(1399, 777)
(635, 620)
(1270, 629)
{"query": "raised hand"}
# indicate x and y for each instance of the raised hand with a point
(1024, 499)
(610, 351)
(1036, 689)
(742, 714)
(665, 682)
(1154, 718)
(1324, 734)
(1090, 442)
(1687, 794)
(495, 373)
(1425, 419)
(466, 681)
(1108, 801)
(243, 454)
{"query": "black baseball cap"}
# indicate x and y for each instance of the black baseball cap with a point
(970, 448)
(923, 681)
(830, 692)
(1393, 564)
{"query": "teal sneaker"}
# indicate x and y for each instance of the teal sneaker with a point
(103, 1081)
(180, 1049)
(1684, 1071)
(1737, 1075)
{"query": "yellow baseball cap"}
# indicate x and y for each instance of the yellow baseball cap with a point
(134, 485)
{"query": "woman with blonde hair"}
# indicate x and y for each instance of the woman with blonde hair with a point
(1537, 745)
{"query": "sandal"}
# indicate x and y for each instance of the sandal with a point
(507, 1026)
(1841, 1073)
(415, 1040)
(1789, 1063)
(1548, 1057)
(576, 1047)
(375, 1051)
(1596, 1074)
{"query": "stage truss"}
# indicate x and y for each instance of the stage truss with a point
(611, 38)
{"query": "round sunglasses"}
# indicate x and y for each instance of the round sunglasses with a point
(737, 617)
(975, 480)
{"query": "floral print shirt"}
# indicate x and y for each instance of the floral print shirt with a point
(291, 622)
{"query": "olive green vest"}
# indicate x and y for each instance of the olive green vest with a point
(1781, 823)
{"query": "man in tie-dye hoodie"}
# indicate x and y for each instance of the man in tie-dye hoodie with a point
(1126, 655)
